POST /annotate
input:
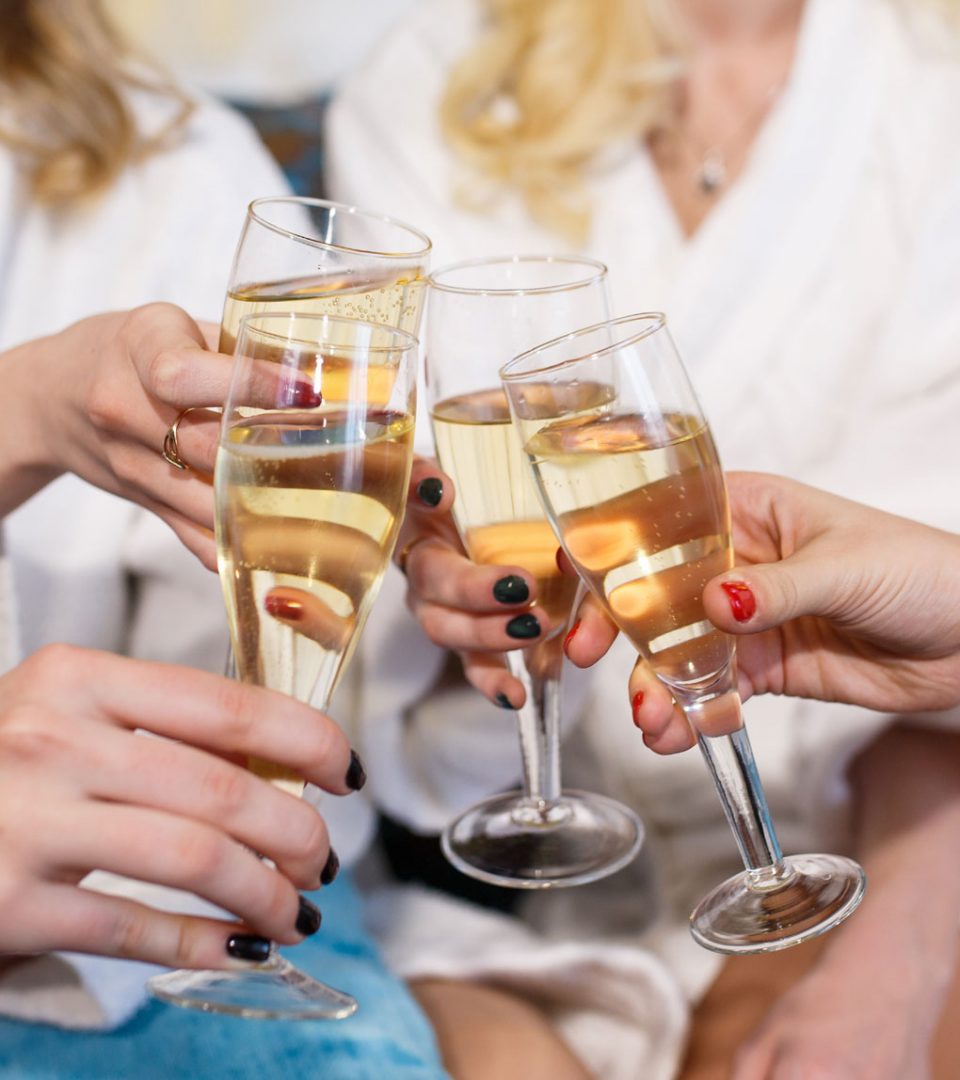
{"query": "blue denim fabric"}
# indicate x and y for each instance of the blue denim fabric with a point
(389, 1038)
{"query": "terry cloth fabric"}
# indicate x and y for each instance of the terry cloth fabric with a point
(387, 1039)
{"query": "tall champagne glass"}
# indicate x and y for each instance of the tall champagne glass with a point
(633, 488)
(310, 485)
(482, 313)
(311, 255)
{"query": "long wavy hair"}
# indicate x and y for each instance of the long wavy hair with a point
(551, 86)
(65, 80)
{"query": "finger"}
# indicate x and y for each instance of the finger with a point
(442, 576)
(462, 632)
(198, 708)
(136, 771)
(91, 922)
(431, 491)
(591, 635)
(309, 615)
(651, 703)
(486, 673)
(198, 437)
(149, 845)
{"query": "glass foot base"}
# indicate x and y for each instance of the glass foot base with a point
(524, 843)
(749, 913)
(274, 990)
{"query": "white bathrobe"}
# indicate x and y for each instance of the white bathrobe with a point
(818, 310)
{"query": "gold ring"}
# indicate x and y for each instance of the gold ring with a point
(170, 450)
(404, 553)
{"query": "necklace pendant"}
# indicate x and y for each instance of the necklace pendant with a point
(712, 174)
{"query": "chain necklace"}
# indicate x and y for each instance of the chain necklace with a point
(711, 171)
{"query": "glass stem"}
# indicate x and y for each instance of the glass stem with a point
(539, 722)
(734, 771)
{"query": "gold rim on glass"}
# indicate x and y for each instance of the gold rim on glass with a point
(598, 271)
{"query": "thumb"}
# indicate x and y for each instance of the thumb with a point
(749, 599)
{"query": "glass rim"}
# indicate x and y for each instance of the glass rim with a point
(405, 340)
(655, 320)
(347, 208)
(599, 272)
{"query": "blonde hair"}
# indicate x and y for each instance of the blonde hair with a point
(64, 79)
(553, 84)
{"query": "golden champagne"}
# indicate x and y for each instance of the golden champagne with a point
(497, 510)
(391, 301)
(308, 509)
(640, 504)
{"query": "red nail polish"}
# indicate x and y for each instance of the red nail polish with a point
(570, 634)
(743, 603)
(303, 395)
(635, 702)
(282, 608)
(558, 558)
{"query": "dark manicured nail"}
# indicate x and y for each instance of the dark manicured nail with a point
(571, 634)
(330, 868)
(524, 627)
(303, 395)
(743, 603)
(356, 774)
(282, 608)
(308, 918)
(430, 491)
(511, 589)
(248, 947)
(503, 701)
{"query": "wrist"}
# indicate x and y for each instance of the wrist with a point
(29, 435)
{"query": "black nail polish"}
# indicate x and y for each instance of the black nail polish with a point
(330, 868)
(511, 589)
(503, 701)
(430, 491)
(356, 774)
(248, 947)
(308, 918)
(524, 627)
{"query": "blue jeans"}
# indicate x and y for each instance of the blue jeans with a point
(389, 1038)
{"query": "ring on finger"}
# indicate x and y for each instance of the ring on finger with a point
(170, 450)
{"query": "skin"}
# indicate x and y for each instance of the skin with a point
(69, 753)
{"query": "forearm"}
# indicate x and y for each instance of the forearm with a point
(28, 433)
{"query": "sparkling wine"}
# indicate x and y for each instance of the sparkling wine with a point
(640, 504)
(394, 301)
(309, 506)
(497, 510)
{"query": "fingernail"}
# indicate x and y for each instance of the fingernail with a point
(356, 774)
(743, 603)
(524, 627)
(511, 589)
(635, 702)
(503, 701)
(282, 608)
(308, 918)
(430, 491)
(330, 868)
(571, 634)
(303, 395)
(558, 559)
(248, 947)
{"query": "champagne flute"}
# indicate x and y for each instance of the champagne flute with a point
(481, 313)
(636, 495)
(316, 447)
(312, 255)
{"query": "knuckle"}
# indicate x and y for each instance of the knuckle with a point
(224, 788)
(58, 664)
(127, 932)
(165, 373)
(29, 733)
(240, 709)
(306, 834)
(433, 624)
(198, 853)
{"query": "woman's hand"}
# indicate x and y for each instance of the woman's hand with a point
(478, 611)
(80, 790)
(97, 399)
(831, 600)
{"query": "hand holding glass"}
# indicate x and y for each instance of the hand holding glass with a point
(311, 480)
(634, 490)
